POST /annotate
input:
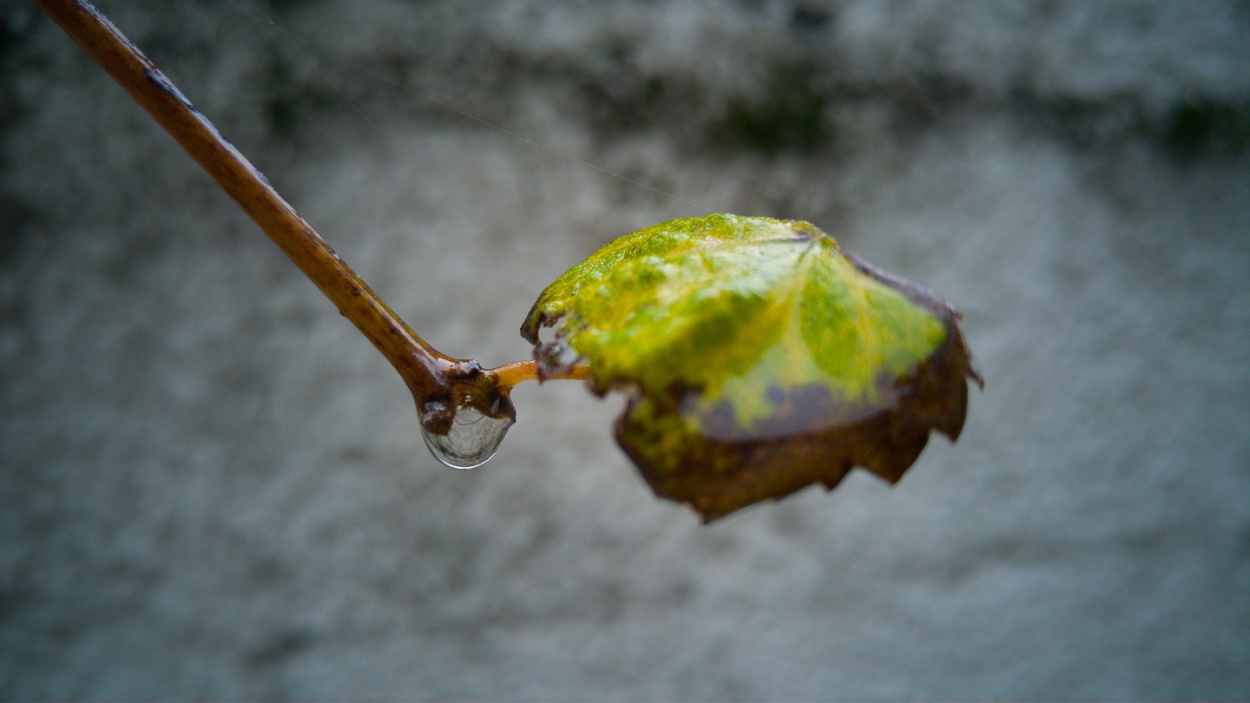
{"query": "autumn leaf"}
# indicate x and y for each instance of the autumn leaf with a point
(757, 358)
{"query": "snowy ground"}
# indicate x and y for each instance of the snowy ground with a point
(212, 488)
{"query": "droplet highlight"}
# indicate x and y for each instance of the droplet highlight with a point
(472, 440)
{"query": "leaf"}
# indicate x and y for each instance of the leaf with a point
(757, 357)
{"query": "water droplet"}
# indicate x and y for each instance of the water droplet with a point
(471, 441)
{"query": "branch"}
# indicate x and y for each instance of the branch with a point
(439, 383)
(421, 365)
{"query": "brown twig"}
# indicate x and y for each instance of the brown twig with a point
(438, 382)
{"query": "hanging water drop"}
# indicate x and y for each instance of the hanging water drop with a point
(471, 441)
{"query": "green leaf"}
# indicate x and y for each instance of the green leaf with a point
(758, 357)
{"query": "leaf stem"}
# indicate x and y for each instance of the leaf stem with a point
(518, 372)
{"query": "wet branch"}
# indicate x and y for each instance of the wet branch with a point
(438, 382)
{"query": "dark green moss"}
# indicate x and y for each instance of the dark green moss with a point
(288, 101)
(624, 104)
(284, 5)
(1207, 127)
(790, 116)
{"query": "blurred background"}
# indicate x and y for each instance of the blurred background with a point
(211, 487)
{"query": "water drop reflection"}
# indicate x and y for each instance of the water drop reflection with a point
(471, 441)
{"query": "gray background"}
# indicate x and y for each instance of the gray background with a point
(212, 487)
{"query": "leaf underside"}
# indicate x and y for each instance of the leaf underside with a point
(757, 358)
